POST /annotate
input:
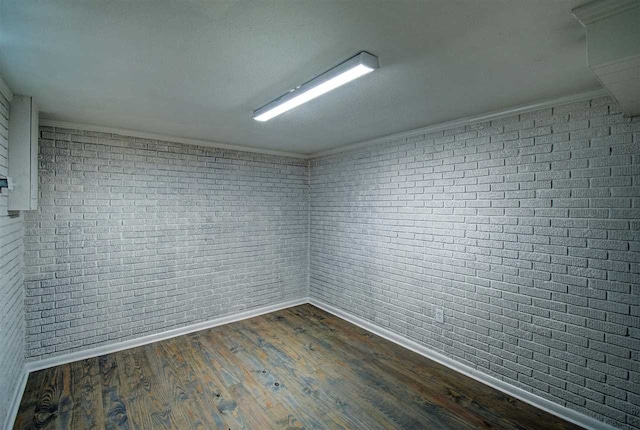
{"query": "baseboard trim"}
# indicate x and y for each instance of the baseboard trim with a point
(12, 412)
(127, 344)
(527, 397)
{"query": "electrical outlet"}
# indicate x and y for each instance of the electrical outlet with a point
(440, 316)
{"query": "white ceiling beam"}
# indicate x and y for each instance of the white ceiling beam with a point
(613, 48)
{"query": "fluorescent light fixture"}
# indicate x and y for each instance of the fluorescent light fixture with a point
(360, 65)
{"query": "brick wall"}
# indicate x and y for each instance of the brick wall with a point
(11, 291)
(134, 237)
(525, 230)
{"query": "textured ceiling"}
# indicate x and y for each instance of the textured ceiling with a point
(197, 69)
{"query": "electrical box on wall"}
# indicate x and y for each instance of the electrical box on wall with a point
(23, 153)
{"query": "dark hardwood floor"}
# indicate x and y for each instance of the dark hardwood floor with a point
(292, 369)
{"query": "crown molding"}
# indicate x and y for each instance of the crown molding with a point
(559, 101)
(599, 9)
(166, 138)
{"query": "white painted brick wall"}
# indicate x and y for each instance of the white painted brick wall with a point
(134, 237)
(526, 230)
(12, 342)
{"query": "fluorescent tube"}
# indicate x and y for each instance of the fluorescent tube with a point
(353, 68)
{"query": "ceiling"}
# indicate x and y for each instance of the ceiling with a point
(197, 69)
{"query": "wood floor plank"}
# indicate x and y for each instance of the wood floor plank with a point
(27, 409)
(391, 400)
(165, 371)
(248, 369)
(217, 380)
(292, 369)
(394, 382)
(445, 385)
(141, 390)
(373, 360)
(87, 394)
(314, 375)
(54, 404)
(274, 373)
(186, 372)
(113, 404)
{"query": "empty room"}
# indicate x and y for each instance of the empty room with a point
(320, 214)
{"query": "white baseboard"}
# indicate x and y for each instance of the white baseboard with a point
(527, 397)
(12, 412)
(115, 347)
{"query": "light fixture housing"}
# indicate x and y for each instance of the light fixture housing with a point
(353, 68)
